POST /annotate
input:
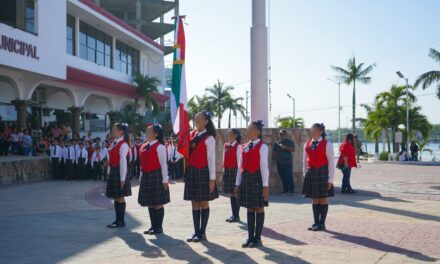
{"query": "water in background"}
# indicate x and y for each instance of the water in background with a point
(426, 156)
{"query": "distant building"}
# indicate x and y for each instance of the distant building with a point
(73, 61)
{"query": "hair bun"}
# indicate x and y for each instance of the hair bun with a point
(207, 114)
(260, 123)
(157, 125)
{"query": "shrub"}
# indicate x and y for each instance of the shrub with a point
(383, 156)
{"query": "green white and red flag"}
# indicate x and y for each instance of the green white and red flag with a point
(178, 105)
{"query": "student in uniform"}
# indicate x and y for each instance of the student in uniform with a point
(176, 161)
(55, 156)
(118, 183)
(319, 169)
(133, 157)
(97, 163)
(137, 162)
(82, 158)
(200, 179)
(231, 159)
(105, 159)
(63, 160)
(70, 159)
(252, 184)
(90, 149)
(153, 187)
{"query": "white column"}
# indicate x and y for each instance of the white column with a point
(259, 63)
(76, 44)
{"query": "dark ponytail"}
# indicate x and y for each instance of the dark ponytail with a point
(237, 134)
(259, 126)
(350, 138)
(210, 128)
(157, 128)
(124, 128)
(321, 127)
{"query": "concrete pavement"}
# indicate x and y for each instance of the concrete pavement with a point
(395, 218)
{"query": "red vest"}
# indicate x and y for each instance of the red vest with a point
(230, 160)
(148, 157)
(250, 161)
(113, 154)
(318, 156)
(198, 157)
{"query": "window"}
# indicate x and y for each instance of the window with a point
(19, 13)
(126, 59)
(95, 45)
(70, 35)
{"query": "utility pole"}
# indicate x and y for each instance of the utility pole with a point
(247, 109)
(339, 108)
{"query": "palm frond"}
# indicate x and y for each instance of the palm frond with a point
(435, 55)
(427, 78)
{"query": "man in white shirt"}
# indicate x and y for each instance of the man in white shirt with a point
(82, 158)
(55, 157)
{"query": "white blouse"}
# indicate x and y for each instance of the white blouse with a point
(330, 153)
(264, 163)
(210, 149)
(162, 156)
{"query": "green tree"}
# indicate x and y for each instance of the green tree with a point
(375, 124)
(290, 122)
(216, 95)
(391, 103)
(133, 119)
(431, 77)
(418, 122)
(145, 88)
(234, 106)
(197, 104)
(354, 73)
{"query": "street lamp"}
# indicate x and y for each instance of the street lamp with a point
(293, 101)
(339, 108)
(407, 108)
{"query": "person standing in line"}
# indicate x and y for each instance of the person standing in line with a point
(282, 153)
(96, 163)
(414, 149)
(252, 184)
(118, 183)
(82, 158)
(231, 163)
(63, 147)
(319, 170)
(15, 141)
(176, 161)
(55, 156)
(154, 191)
(70, 159)
(347, 161)
(200, 179)
(105, 159)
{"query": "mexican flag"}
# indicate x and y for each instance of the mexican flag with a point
(178, 105)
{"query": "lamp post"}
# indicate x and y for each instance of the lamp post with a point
(407, 108)
(293, 102)
(339, 108)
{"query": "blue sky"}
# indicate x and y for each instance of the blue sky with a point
(307, 36)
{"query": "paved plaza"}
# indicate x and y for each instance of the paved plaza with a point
(394, 218)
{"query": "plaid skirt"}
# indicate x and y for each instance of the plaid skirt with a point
(197, 185)
(228, 180)
(316, 183)
(113, 189)
(151, 191)
(251, 190)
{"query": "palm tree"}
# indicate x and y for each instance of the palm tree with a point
(146, 86)
(375, 124)
(290, 122)
(197, 104)
(234, 106)
(418, 122)
(430, 77)
(133, 119)
(392, 102)
(352, 74)
(216, 95)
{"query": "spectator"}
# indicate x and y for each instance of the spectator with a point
(15, 141)
(56, 132)
(347, 160)
(4, 143)
(45, 129)
(282, 153)
(27, 144)
(414, 148)
(403, 154)
(42, 145)
(20, 141)
(358, 145)
(2, 124)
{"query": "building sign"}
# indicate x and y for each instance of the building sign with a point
(18, 47)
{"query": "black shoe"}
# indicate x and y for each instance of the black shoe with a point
(116, 224)
(191, 238)
(255, 243)
(156, 231)
(351, 191)
(233, 219)
(343, 190)
(199, 238)
(314, 227)
(321, 227)
(246, 243)
(147, 232)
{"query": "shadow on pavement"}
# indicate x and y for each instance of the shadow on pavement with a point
(178, 249)
(136, 241)
(226, 255)
(380, 246)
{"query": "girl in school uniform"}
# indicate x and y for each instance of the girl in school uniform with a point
(200, 179)
(319, 170)
(153, 187)
(118, 184)
(252, 184)
(231, 159)
(133, 157)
